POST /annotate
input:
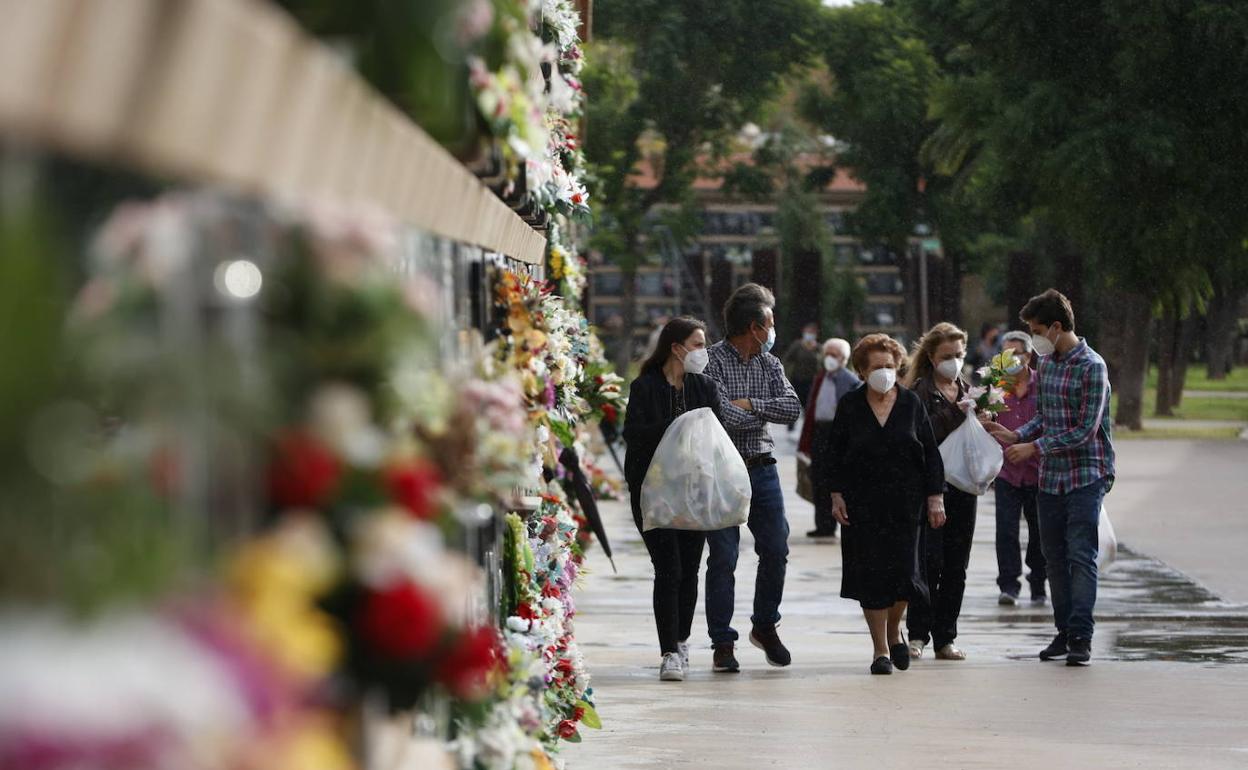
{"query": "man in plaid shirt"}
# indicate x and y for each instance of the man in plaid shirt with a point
(753, 392)
(1071, 434)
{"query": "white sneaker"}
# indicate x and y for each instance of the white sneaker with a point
(916, 648)
(672, 670)
(1007, 600)
(684, 653)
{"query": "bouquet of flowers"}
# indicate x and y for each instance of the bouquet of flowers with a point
(989, 395)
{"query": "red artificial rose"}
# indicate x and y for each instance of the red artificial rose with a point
(579, 714)
(526, 611)
(466, 670)
(401, 622)
(550, 590)
(303, 473)
(567, 729)
(564, 666)
(415, 486)
(610, 413)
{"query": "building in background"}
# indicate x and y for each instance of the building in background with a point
(738, 243)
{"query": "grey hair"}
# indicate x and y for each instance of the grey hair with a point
(1019, 336)
(745, 307)
(840, 346)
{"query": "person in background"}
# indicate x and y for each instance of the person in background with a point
(885, 476)
(1071, 434)
(671, 383)
(802, 362)
(1018, 484)
(988, 345)
(836, 382)
(659, 322)
(935, 375)
(753, 392)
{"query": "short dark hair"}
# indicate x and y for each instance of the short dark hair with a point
(1049, 308)
(674, 331)
(745, 307)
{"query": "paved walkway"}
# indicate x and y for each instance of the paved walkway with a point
(1167, 687)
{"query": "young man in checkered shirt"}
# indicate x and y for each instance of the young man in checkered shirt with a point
(1071, 433)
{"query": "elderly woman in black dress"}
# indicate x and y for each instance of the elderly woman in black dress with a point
(885, 476)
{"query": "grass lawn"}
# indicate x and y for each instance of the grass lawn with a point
(1194, 408)
(1194, 434)
(1196, 379)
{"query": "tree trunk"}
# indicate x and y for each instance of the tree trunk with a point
(1167, 355)
(1125, 336)
(628, 317)
(1183, 357)
(1220, 338)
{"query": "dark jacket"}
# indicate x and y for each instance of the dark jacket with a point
(846, 382)
(945, 417)
(650, 412)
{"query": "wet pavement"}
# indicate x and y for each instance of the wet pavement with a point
(1166, 688)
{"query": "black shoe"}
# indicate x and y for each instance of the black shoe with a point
(900, 654)
(1056, 649)
(882, 665)
(821, 533)
(1080, 652)
(725, 661)
(766, 639)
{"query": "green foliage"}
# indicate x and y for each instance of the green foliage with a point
(669, 84)
(1124, 120)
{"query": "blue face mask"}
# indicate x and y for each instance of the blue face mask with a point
(771, 340)
(1016, 368)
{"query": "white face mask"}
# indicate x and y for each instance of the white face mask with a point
(950, 368)
(695, 361)
(882, 380)
(808, 337)
(1043, 345)
(831, 363)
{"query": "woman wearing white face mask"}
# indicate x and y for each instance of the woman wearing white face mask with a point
(671, 383)
(936, 376)
(885, 477)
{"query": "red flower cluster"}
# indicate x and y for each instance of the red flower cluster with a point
(466, 670)
(303, 473)
(610, 413)
(567, 729)
(415, 486)
(401, 622)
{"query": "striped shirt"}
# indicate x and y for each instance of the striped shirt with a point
(1072, 422)
(760, 379)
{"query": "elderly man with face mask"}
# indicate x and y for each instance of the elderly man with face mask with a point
(825, 394)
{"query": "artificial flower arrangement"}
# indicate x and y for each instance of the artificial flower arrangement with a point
(989, 395)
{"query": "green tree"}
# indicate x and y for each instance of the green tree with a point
(1124, 122)
(669, 84)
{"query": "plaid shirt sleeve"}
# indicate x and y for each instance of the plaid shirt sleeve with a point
(1081, 426)
(783, 406)
(732, 416)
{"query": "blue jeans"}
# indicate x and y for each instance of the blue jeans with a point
(771, 542)
(1068, 533)
(1014, 503)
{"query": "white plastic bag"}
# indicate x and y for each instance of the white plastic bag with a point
(697, 479)
(972, 457)
(1107, 542)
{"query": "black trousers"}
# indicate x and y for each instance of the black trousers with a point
(819, 449)
(945, 555)
(677, 556)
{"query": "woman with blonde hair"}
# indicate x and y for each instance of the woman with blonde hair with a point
(935, 375)
(885, 477)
